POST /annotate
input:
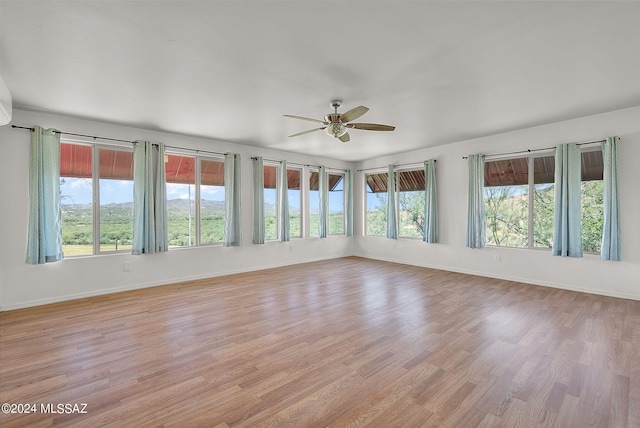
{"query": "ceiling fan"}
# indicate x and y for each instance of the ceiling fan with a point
(336, 124)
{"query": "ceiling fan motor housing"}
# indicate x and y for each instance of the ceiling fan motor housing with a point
(335, 128)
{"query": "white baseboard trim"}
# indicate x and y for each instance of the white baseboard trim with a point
(608, 293)
(58, 299)
(102, 292)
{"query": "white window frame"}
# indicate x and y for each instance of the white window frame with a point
(95, 190)
(531, 188)
(198, 205)
(300, 201)
(344, 204)
(365, 211)
(397, 197)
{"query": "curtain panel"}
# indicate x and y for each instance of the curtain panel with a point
(567, 221)
(324, 196)
(150, 233)
(392, 220)
(430, 203)
(258, 200)
(232, 200)
(348, 195)
(611, 246)
(44, 241)
(283, 202)
(476, 234)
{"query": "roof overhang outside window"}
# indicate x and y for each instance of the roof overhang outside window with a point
(407, 181)
(513, 172)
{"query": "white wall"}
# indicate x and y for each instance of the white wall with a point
(590, 274)
(23, 285)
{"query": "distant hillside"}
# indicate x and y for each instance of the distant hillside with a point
(174, 206)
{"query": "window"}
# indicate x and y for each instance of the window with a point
(519, 201)
(116, 199)
(376, 204)
(271, 211)
(506, 196)
(314, 203)
(592, 200)
(76, 199)
(195, 200)
(411, 199)
(295, 202)
(409, 203)
(212, 201)
(336, 204)
(88, 210)
(270, 203)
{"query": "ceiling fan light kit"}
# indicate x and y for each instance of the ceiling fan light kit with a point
(336, 124)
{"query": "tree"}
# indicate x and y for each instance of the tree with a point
(506, 215)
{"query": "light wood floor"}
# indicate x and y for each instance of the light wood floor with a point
(346, 342)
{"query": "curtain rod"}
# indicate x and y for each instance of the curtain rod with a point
(538, 150)
(402, 164)
(297, 164)
(118, 140)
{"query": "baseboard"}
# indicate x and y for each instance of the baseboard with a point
(608, 293)
(58, 299)
(84, 295)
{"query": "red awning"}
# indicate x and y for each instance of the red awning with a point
(76, 161)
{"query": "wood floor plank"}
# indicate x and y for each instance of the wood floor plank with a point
(344, 342)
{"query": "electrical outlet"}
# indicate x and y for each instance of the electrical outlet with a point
(291, 248)
(497, 258)
(126, 267)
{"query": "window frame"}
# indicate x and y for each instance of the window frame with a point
(366, 193)
(277, 166)
(344, 203)
(300, 189)
(313, 233)
(397, 190)
(95, 192)
(531, 157)
(197, 171)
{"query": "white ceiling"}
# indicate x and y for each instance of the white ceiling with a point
(440, 72)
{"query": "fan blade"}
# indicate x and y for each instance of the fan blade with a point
(307, 132)
(304, 118)
(353, 114)
(344, 138)
(370, 126)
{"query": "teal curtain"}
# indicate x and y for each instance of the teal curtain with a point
(392, 221)
(348, 196)
(324, 196)
(476, 234)
(149, 199)
(611, 246)
(283, 202)
(44, 243)
(258, 200)
(232, 198)
(567, 222)
(430, 203)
